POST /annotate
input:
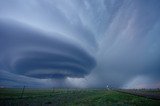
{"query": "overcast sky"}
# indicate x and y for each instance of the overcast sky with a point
(80, 43)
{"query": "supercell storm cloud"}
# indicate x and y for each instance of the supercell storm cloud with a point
(30, 52)
(80, 43)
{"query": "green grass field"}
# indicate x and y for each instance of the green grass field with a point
(72, 97)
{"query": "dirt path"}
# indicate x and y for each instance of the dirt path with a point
(150, 95)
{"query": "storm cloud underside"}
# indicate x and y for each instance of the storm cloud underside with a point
(82, 43)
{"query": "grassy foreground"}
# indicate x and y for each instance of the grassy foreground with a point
(64, 97)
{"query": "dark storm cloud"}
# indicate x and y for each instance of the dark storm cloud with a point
(29, 52)
(64, 39)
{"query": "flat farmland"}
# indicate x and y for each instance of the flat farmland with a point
(74, 97)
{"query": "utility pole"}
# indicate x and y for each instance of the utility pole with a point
(22, 92)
